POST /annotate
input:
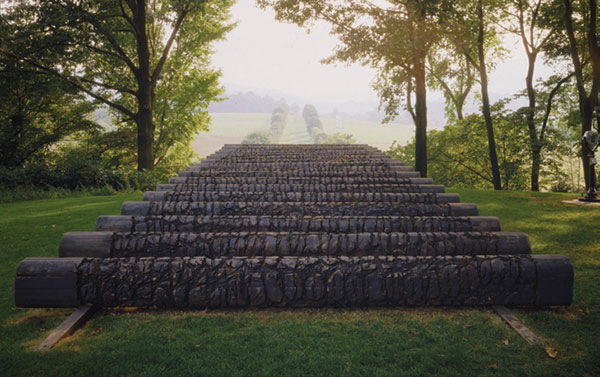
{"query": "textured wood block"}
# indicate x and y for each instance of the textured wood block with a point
(314, 281)
(47, 282)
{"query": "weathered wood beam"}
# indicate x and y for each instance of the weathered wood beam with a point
(222, 244)
(517, 325)
(326, 224)
(299, 187)
(67, 327)
(305, 281)
(340, 197)
(297, 209)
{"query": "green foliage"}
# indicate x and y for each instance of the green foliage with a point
(33, 193)
(147, 60)
(314, 127)
(311, 118)
(338, 138)
(370, 34)
(187, 84)
(258, 137)
(458, 154)
(319, 137)
(77, 175)
(82, 166)
(36, 111)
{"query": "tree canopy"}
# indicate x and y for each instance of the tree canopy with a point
(147, 59)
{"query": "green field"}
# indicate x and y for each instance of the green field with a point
(232, 128)
(228, 129)
(332, 342)
(378, 135)
(295, 131)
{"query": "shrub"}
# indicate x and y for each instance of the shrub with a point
(339, 138)
(258, 137)
(319, 137)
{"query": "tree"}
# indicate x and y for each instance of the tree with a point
(524, 18)
(581, 36)
(453, 76)
(279, 120)
(471, 30)
(394, 38)
(458, 154)
(312, 120)
(36, 112)
(258, 137)
(117, 52)
(485, 98)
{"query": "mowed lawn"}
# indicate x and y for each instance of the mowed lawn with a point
(332, 342)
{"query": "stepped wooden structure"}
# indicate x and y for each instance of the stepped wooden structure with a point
(295, 226)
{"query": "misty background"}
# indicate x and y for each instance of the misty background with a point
(266, 63)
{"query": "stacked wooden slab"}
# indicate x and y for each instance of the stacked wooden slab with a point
(296, 226)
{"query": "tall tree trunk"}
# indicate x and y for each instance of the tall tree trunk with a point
(459, 111)
(587, 114)
(595, 58)
(420, 117)
(145, 134)
(9, 156)
(587, 103)
(535, 144)
(487, 114)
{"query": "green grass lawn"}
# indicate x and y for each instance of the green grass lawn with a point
(382, 342)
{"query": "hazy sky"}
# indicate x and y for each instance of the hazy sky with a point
(263, 53)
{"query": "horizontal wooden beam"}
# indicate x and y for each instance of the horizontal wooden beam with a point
(251, 244)
(201, 282)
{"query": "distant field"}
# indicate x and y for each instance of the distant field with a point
(230, 128)
(378, 135)
(295, 131)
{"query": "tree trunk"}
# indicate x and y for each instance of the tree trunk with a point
(145, 137)
(420, 118)
(459, 111)
(145, 134)
(587, 113)
(9, 156)
(535, 144)
(587, 103)
(487, 115)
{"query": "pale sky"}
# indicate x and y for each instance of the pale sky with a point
(262, 53)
